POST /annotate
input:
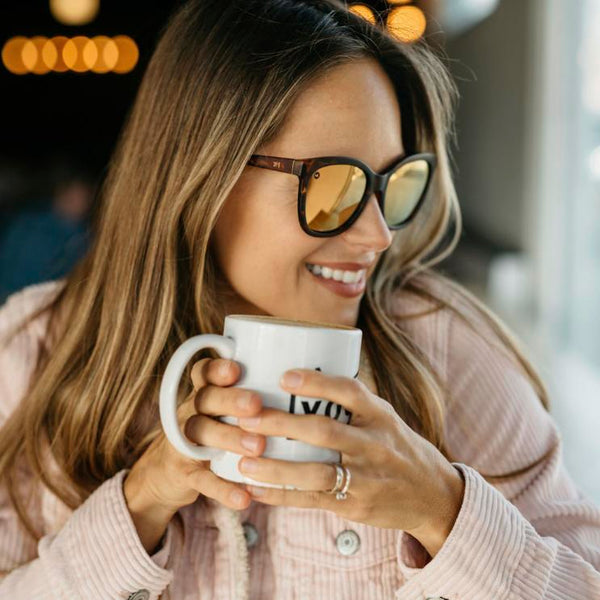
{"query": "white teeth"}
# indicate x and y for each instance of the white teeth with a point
(337, 274)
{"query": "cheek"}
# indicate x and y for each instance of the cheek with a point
(260, 243)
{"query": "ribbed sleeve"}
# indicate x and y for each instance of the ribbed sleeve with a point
(97, 554)
(534, 535)
(494, 552)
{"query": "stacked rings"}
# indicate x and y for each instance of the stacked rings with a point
(341, 487)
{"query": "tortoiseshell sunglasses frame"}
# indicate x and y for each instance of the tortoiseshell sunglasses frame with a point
(303, 168)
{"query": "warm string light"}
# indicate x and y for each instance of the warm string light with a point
(74, 12)
(404, 21)
(41, 55)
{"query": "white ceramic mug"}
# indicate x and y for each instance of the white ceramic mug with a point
(266, 347)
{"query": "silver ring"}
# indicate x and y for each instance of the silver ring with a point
(342, 495)
(339, 478)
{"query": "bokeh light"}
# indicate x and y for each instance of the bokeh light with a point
(49, 54)
(40, 55)
(29, 55)
(11, 55)
(406, 23)
(363, 11)
(74, 12)
(33, 55)
(59, 42)
(108, 54)
(80, 54)
(128, 54)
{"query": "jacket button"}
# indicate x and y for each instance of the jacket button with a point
(139, 595)
(251, 534)
(347, 542)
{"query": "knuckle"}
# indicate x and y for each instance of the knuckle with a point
(198, 373)
(325, 429)
(200, 398)
(255, 398)
(191, 427)
(225, 369)
(220, 368)
(357, 387)
(244, 399)
(207, 431)
(388, 410)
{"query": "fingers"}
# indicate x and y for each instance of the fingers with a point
(226, 492)
(207, 431)
(212, 398)
(236, 402)
(218, 371)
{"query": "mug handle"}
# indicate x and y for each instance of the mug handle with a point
(225, 346)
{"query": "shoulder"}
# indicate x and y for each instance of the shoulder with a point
(449, 323)
(20, 305)
(495, 419)
(19, 344)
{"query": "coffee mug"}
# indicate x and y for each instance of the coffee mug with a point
(266, 347)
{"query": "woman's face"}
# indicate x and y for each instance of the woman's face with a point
(259, 244)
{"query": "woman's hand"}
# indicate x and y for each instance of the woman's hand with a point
(163, 480)
(399, 479)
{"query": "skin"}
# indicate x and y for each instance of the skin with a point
(259, 243)
(399, 479)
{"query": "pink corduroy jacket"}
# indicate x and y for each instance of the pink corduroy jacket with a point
(534, 537)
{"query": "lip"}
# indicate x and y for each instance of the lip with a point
(346, 290)
(345, 266)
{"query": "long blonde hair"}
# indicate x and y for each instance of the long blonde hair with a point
(218, 86)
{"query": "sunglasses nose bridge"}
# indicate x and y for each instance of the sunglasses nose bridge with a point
(379, 185)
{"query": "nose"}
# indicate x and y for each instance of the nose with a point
(370, 229)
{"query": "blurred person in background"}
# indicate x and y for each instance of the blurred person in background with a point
(15, 188)
(43, 239)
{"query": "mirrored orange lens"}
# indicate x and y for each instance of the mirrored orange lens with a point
(334, 192)
(405, 188)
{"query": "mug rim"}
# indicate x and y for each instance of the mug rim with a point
(273, 320)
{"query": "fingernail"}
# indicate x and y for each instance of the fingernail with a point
(250, 443)
(291, 379)
(249, 466)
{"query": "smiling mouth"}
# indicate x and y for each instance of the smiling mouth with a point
(339, 288)
(347, 277)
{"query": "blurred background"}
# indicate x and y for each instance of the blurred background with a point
(527, 161)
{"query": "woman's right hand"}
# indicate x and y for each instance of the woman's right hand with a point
(163, 480)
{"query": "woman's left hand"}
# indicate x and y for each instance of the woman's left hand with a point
(399, 479)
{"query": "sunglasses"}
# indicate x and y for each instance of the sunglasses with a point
(334, 190)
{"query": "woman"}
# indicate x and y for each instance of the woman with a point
(457, 486)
